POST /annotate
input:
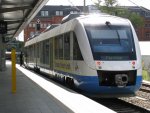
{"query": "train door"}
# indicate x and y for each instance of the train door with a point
(41, 54)
(51, 53)
(26, 55)
(77, 57)
(71, 51)
(46, 54)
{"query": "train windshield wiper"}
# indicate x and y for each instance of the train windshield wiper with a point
(118, 37)
(109, 26)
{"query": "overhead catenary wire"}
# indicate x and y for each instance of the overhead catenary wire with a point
(73, 6)
(71, 2)
(138, 6)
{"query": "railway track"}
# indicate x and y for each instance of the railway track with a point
(142, 98)
(145, 87)
(121, 106)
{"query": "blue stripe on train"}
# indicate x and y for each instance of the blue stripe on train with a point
(91, 84)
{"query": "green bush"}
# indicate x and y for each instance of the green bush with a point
(145, 75)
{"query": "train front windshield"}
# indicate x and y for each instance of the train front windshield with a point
(111, 42)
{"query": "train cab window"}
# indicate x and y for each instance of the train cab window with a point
(67, 46)
(76, 50)
(113, 42)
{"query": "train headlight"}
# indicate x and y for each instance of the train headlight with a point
(98, 64)
(133, 64)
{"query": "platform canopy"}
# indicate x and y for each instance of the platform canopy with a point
(17, 14)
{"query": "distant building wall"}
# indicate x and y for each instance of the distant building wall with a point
(49, 15)
(142, 32)
(53, 15)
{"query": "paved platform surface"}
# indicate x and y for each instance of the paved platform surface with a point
(29, 98)
(36, 94)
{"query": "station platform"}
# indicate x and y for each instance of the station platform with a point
(36, 94)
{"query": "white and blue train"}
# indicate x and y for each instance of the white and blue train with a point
(98, 54)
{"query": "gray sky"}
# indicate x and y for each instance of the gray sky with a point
(143, 3)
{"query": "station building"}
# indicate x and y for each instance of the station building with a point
(49, 15)
(144, 31)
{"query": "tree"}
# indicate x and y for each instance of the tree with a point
(108, 7)
(110, 3)
(112, 7)
(136, 20)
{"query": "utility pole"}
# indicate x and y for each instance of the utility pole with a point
(84, 10)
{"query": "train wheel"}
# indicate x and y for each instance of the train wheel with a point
(70, 82)
(36, 69)
(64, 80)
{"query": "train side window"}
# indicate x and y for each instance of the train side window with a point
(76, 50)
(43, 55)
(41, 52)
(34, 49)
(67, 46)
(46, 52)
(60, 47)
(31, 53)
(38, 50)
(56, 48)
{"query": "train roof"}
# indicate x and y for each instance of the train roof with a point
(69, 25)
(102, 19)
(70, 17)
(50, 27)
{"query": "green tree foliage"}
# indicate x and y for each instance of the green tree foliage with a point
(108, 7)
(110, 3)
(136, 20)
(112, 7)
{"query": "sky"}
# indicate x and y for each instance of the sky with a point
(143, 3)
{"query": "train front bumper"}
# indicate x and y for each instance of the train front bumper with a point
(90, 85)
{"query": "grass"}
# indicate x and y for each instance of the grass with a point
(145, 75)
